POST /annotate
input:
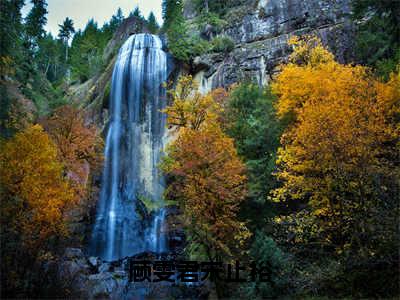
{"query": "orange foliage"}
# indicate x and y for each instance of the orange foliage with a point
(209, 178)
(36, 196)
(78, 144)
(210, 184)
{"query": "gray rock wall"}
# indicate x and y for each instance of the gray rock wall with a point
(261, 30)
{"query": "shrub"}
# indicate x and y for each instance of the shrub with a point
(265, 252)
(222, 44)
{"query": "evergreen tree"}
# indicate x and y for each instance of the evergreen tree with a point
(35, 22)
(116, 19)
(378, 39)
(137, 13)
(172, 12)
(10, 34)
(152, 24)
(10, 53)
(109, 28)
(65, 33)
(87, 49)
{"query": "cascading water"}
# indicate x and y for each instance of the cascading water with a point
(134, 145)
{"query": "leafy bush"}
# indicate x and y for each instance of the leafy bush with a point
(265, 252)
(211, 19)
(222, 44)
(183, 46)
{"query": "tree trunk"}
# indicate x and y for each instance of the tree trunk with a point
(206, 5)
(47, 67)
(66, 51)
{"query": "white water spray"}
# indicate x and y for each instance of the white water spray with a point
(134, 145)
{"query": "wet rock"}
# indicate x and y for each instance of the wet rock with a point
(91, 278)
(105, 285)
(94, 261)
(104, 267)
(71, 253)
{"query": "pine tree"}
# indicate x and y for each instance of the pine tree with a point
(10, 34)
(10, 53)
(137, 13)
(35, 22)
(172, 13)
(152, 24)
(378, 37)
(116, 19)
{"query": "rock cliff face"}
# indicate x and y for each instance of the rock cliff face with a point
(260, 31)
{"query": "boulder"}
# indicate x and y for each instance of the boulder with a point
(71, 253)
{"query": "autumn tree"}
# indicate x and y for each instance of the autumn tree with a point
(78, 144)
(208, 178)
(340, 152)
(190, 108)
(35, 199)
(35, 194)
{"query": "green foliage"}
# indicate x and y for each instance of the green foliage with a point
(265, 252)
(185, 45)
(251, 121)
(35, 22)
(50, 58)
(137, 13)
(219, 7)
(211, 19)
(152, 24)
(378, 39)
(87, 50)
(88, 46)
(10, 35)
(66, 30)
(172, 13)
(179, 41)
(182, 45)
(116, 20)
(222, 44)
(384, 67)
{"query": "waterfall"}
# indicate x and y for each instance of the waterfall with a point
(134, 144)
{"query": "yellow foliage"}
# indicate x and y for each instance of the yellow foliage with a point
(343, 132)
(209, 178)
(190, 108)
(37, 194)
(6, 66)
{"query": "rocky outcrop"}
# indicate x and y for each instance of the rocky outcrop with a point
(261, 29)
(85, 277)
